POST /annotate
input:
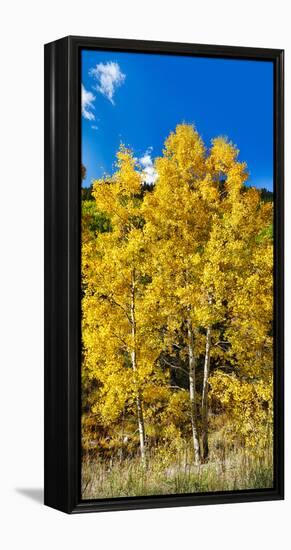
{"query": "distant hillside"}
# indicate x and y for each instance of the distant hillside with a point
(267, 196)
(86, 193)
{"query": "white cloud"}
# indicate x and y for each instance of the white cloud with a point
(94, 127)
(109, 77)
(87, 104)
(149, 172)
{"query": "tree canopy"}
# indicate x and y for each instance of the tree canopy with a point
(177, 307)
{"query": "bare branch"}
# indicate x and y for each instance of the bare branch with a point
(178, 347)
(175, 366)
(115, 303)
(121, 340)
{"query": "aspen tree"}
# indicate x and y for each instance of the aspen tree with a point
(177, 227)
(116, 333)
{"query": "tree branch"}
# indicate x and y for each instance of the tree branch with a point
(175, 366)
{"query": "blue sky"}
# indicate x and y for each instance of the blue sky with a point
(138, 99)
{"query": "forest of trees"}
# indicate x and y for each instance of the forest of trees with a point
(177, 318)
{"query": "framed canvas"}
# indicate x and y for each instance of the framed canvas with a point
(164, 173)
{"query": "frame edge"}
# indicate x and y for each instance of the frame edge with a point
(61, 279)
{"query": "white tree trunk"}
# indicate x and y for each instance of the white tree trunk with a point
(204, 406)
(139, 408)
(192, 392)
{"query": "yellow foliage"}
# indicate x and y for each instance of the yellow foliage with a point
(249, 407)
(194, 254)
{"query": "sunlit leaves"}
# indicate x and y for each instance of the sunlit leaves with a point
(198, 248)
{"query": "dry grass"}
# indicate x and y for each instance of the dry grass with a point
(175, 475)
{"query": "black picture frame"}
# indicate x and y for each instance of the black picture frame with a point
(62, 273)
